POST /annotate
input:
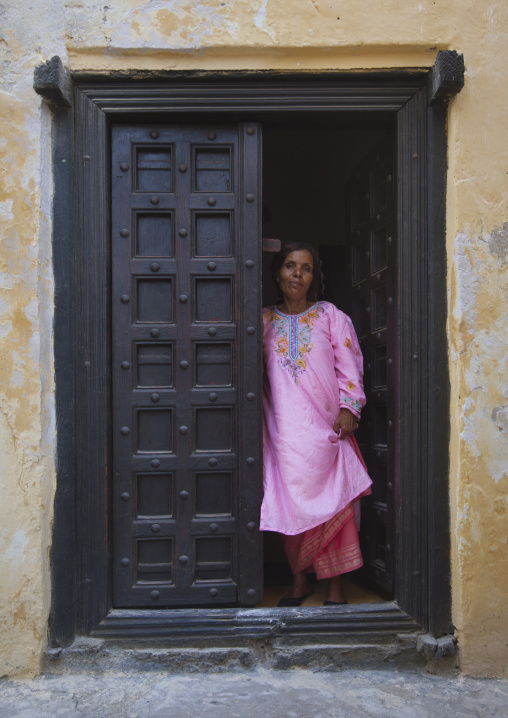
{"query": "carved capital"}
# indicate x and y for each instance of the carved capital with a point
(446, 77)
(53, 82)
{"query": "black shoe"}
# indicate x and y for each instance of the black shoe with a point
(289, 602)
(334, 603)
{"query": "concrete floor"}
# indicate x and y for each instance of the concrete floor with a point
(254, 694)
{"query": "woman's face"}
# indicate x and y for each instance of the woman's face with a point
(296, 274)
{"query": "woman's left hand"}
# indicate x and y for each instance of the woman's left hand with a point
(345, 424)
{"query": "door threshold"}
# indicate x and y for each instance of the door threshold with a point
(189, 640)
(220, 626)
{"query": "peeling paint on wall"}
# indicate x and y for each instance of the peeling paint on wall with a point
(477, 325)
(27, 431)
(175, 24)
(500, 417)
(478, 328)
(498, 243)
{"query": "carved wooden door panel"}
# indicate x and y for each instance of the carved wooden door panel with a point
(186, 356)
(372, 219)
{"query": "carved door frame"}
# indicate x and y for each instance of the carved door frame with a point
(81, 564)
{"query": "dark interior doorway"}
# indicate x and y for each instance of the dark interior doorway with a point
(309, 175)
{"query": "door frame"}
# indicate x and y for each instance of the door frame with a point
(81, 548)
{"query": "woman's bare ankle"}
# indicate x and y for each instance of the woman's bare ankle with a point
(300, 587)
(335, 593)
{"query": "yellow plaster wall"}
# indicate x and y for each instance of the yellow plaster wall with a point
(279, 35)
(478, 331)
(26, 386)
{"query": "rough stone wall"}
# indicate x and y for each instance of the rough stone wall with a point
(260, 34)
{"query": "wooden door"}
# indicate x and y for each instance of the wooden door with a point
(373, 286)
(186, 355)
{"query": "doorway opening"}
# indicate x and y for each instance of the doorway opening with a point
(185, 361)
(332, 186)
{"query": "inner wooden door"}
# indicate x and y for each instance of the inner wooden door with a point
(374, 311)
(186, 245)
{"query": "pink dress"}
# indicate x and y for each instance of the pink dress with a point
(313, 366)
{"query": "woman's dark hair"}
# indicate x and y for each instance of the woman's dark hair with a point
(318, 280)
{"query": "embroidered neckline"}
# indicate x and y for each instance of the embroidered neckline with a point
(293, 332)
(283, 314)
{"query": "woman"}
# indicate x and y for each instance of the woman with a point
(312, 398)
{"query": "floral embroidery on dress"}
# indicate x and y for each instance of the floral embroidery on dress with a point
(347, 343)
(293, 333)
(353, 403)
